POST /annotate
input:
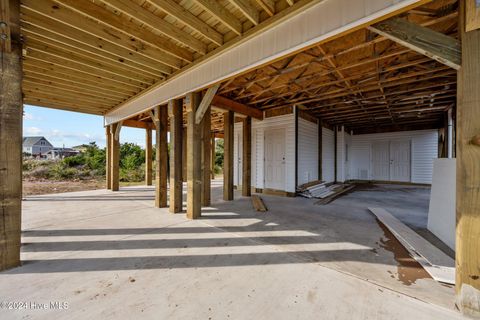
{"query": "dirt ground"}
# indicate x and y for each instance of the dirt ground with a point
(36, 187)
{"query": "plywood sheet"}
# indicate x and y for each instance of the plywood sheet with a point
(440, 266)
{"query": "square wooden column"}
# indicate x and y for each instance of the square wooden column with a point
(148, 156)
(184, 154)
(228, 118)
(11, 109)
(467, 282)
(175, 112)
(194, 174)
(161, 170)
(206, 157)
(247, 158)
(108, 155)
(214, 156)
(115, 156)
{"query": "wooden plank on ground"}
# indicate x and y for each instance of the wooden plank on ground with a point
(258, 204)
(440, 266)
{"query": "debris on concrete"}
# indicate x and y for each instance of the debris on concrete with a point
(324, 191)
(258, 204)
(439, 265)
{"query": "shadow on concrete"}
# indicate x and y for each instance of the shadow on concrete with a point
(348, 230)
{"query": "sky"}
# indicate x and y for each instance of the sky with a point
(65, 128)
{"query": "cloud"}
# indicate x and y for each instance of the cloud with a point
(59, 138)
(33, 131)
(31, 117)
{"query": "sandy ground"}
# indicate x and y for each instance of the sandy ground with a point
(36, 187)
(39, 187)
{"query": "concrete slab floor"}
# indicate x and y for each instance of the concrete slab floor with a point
(114, 256)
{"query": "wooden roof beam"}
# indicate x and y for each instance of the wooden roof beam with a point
(138, 124)
(145, 16)
(177, 11)
(103, 15)
(268, 6)
(222, 14)
(237, 107)
(62, 20)
(433, 44)
(248, 10)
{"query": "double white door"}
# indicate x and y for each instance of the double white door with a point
(391, 160)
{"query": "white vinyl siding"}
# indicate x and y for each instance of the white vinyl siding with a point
(237, 156)
(424, 148)
(307, 151)
(328, 155)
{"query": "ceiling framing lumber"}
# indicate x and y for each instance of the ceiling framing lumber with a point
(172, 8)
(440, 47)
(268, 6)
(103, 16)
(248, 10)
(80, 28)
(147, 17)
(96, 56)
(222, 14)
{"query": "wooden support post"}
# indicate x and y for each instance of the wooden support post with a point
(205, 125)
(161, 155)
(115, 156)
(467, 282)
(194, 178)
(247, 157)
(175, 112)
(214, 156)
(11, 109)
(148, 157)
(108, 155)
(228, 119)
(184, 153)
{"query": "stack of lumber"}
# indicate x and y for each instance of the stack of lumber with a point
(312, 189)
(321, 190)
(334, 191)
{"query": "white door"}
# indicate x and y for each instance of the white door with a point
(400, 161)
(275, 159)
(380, 161)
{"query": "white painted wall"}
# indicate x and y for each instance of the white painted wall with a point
(424, 148)
(307, 151)
(328, 155)
(286, 122)
(441, 212)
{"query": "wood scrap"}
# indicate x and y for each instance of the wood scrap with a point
(334, 192)
(440, 266)
(258, 204)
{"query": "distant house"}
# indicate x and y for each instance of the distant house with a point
(36, 146)
(60, 153)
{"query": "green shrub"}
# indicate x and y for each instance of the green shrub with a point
(74, 161)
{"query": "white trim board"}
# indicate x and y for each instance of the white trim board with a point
(321, 21)
(440, 266)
